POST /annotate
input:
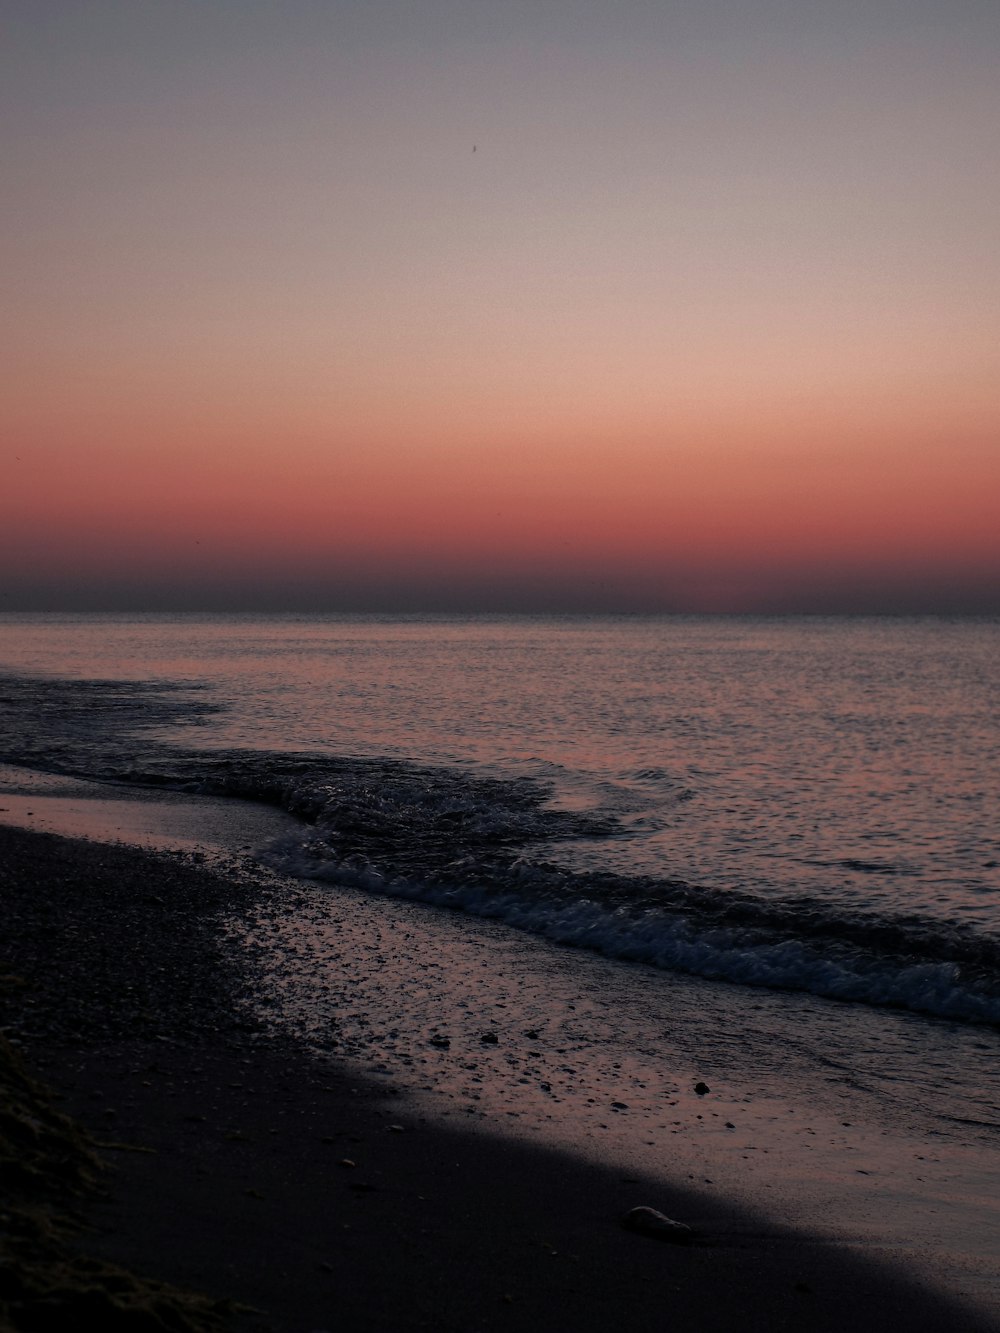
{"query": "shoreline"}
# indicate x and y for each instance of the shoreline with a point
(246, 1194)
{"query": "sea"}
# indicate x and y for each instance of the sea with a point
(806, 804)
(796, 818)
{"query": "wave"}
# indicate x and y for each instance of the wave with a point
(489, 846)
(803, 947)
(485, 846)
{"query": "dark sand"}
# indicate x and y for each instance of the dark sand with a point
(324, 1200)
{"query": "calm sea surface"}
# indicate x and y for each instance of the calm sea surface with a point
(806, 804)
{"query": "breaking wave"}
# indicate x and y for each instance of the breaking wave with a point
(791, 944)
(490, 845)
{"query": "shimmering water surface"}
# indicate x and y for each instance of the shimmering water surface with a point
(763, 800)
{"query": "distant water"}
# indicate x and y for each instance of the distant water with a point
(809, 804)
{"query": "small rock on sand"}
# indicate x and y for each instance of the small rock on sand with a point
(650, 1222)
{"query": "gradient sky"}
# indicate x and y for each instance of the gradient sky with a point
(497, 305)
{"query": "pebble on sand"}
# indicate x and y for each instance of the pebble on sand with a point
(650, 1222)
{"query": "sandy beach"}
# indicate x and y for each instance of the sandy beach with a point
(325, 1189)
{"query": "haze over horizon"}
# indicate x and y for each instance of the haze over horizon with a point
(464, 306)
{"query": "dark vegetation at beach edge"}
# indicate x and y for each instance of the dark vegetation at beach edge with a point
(48, 1168)
(71, 979)
(214, 1157)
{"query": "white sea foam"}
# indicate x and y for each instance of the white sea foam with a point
(749, 955)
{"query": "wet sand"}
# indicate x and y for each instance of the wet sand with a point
(366, 1186)
(138, 816)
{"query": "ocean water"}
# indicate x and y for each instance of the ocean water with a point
(806, 805)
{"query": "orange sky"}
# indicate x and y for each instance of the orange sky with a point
(707, 321)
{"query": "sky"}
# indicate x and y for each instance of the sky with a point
(499, 306)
